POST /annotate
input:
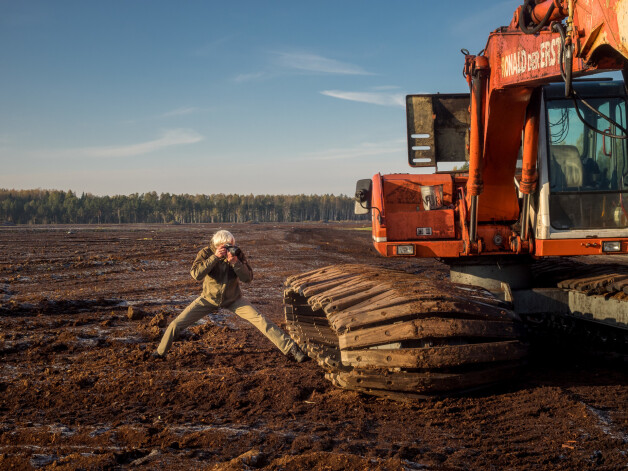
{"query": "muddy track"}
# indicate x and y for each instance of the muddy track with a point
(78, 390)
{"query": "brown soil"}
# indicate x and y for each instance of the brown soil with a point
(78, 389)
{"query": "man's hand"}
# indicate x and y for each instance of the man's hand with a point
(231, 258)
(221, 251)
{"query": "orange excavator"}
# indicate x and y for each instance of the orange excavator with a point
(532, 227)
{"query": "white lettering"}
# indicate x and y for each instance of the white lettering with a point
(533, 61)
(544, 53)
(522, 61)
(555, 43)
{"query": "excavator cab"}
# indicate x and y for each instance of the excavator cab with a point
(583, 163)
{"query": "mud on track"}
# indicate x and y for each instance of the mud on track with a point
(78, 390)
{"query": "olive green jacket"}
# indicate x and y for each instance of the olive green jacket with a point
(221, 280)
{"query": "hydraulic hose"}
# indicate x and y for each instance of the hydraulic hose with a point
(571, 93)
(522, 18)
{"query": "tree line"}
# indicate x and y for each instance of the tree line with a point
(66, 207)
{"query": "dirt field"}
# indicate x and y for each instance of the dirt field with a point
(79, 391)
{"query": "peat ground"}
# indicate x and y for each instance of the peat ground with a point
(78, 389)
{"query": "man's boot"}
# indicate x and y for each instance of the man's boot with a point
(296, 354)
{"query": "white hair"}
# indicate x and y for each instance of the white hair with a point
(223, 237)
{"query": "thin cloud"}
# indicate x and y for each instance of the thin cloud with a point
(385, 87)
(366, 149)
(179, 112)
(182, 111)
(251, 77)
(301, 62)
(173, 137)
(375, 98)
(318, 64)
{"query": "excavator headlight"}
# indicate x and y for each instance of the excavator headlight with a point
(611, 246)
(405, 250)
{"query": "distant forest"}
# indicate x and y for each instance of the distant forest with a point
(60, 207)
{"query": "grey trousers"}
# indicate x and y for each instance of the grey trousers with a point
(200, 307)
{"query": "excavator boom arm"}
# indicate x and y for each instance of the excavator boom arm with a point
(546, 42)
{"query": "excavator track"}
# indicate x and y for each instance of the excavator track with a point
(403, 336)
(606, 279)
(600, 328)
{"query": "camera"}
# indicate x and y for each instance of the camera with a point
(233, 250)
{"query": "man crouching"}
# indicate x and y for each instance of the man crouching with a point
(221, 267)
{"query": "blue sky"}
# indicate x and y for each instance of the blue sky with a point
(277, 97)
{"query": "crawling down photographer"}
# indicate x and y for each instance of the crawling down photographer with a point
(221, 267)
